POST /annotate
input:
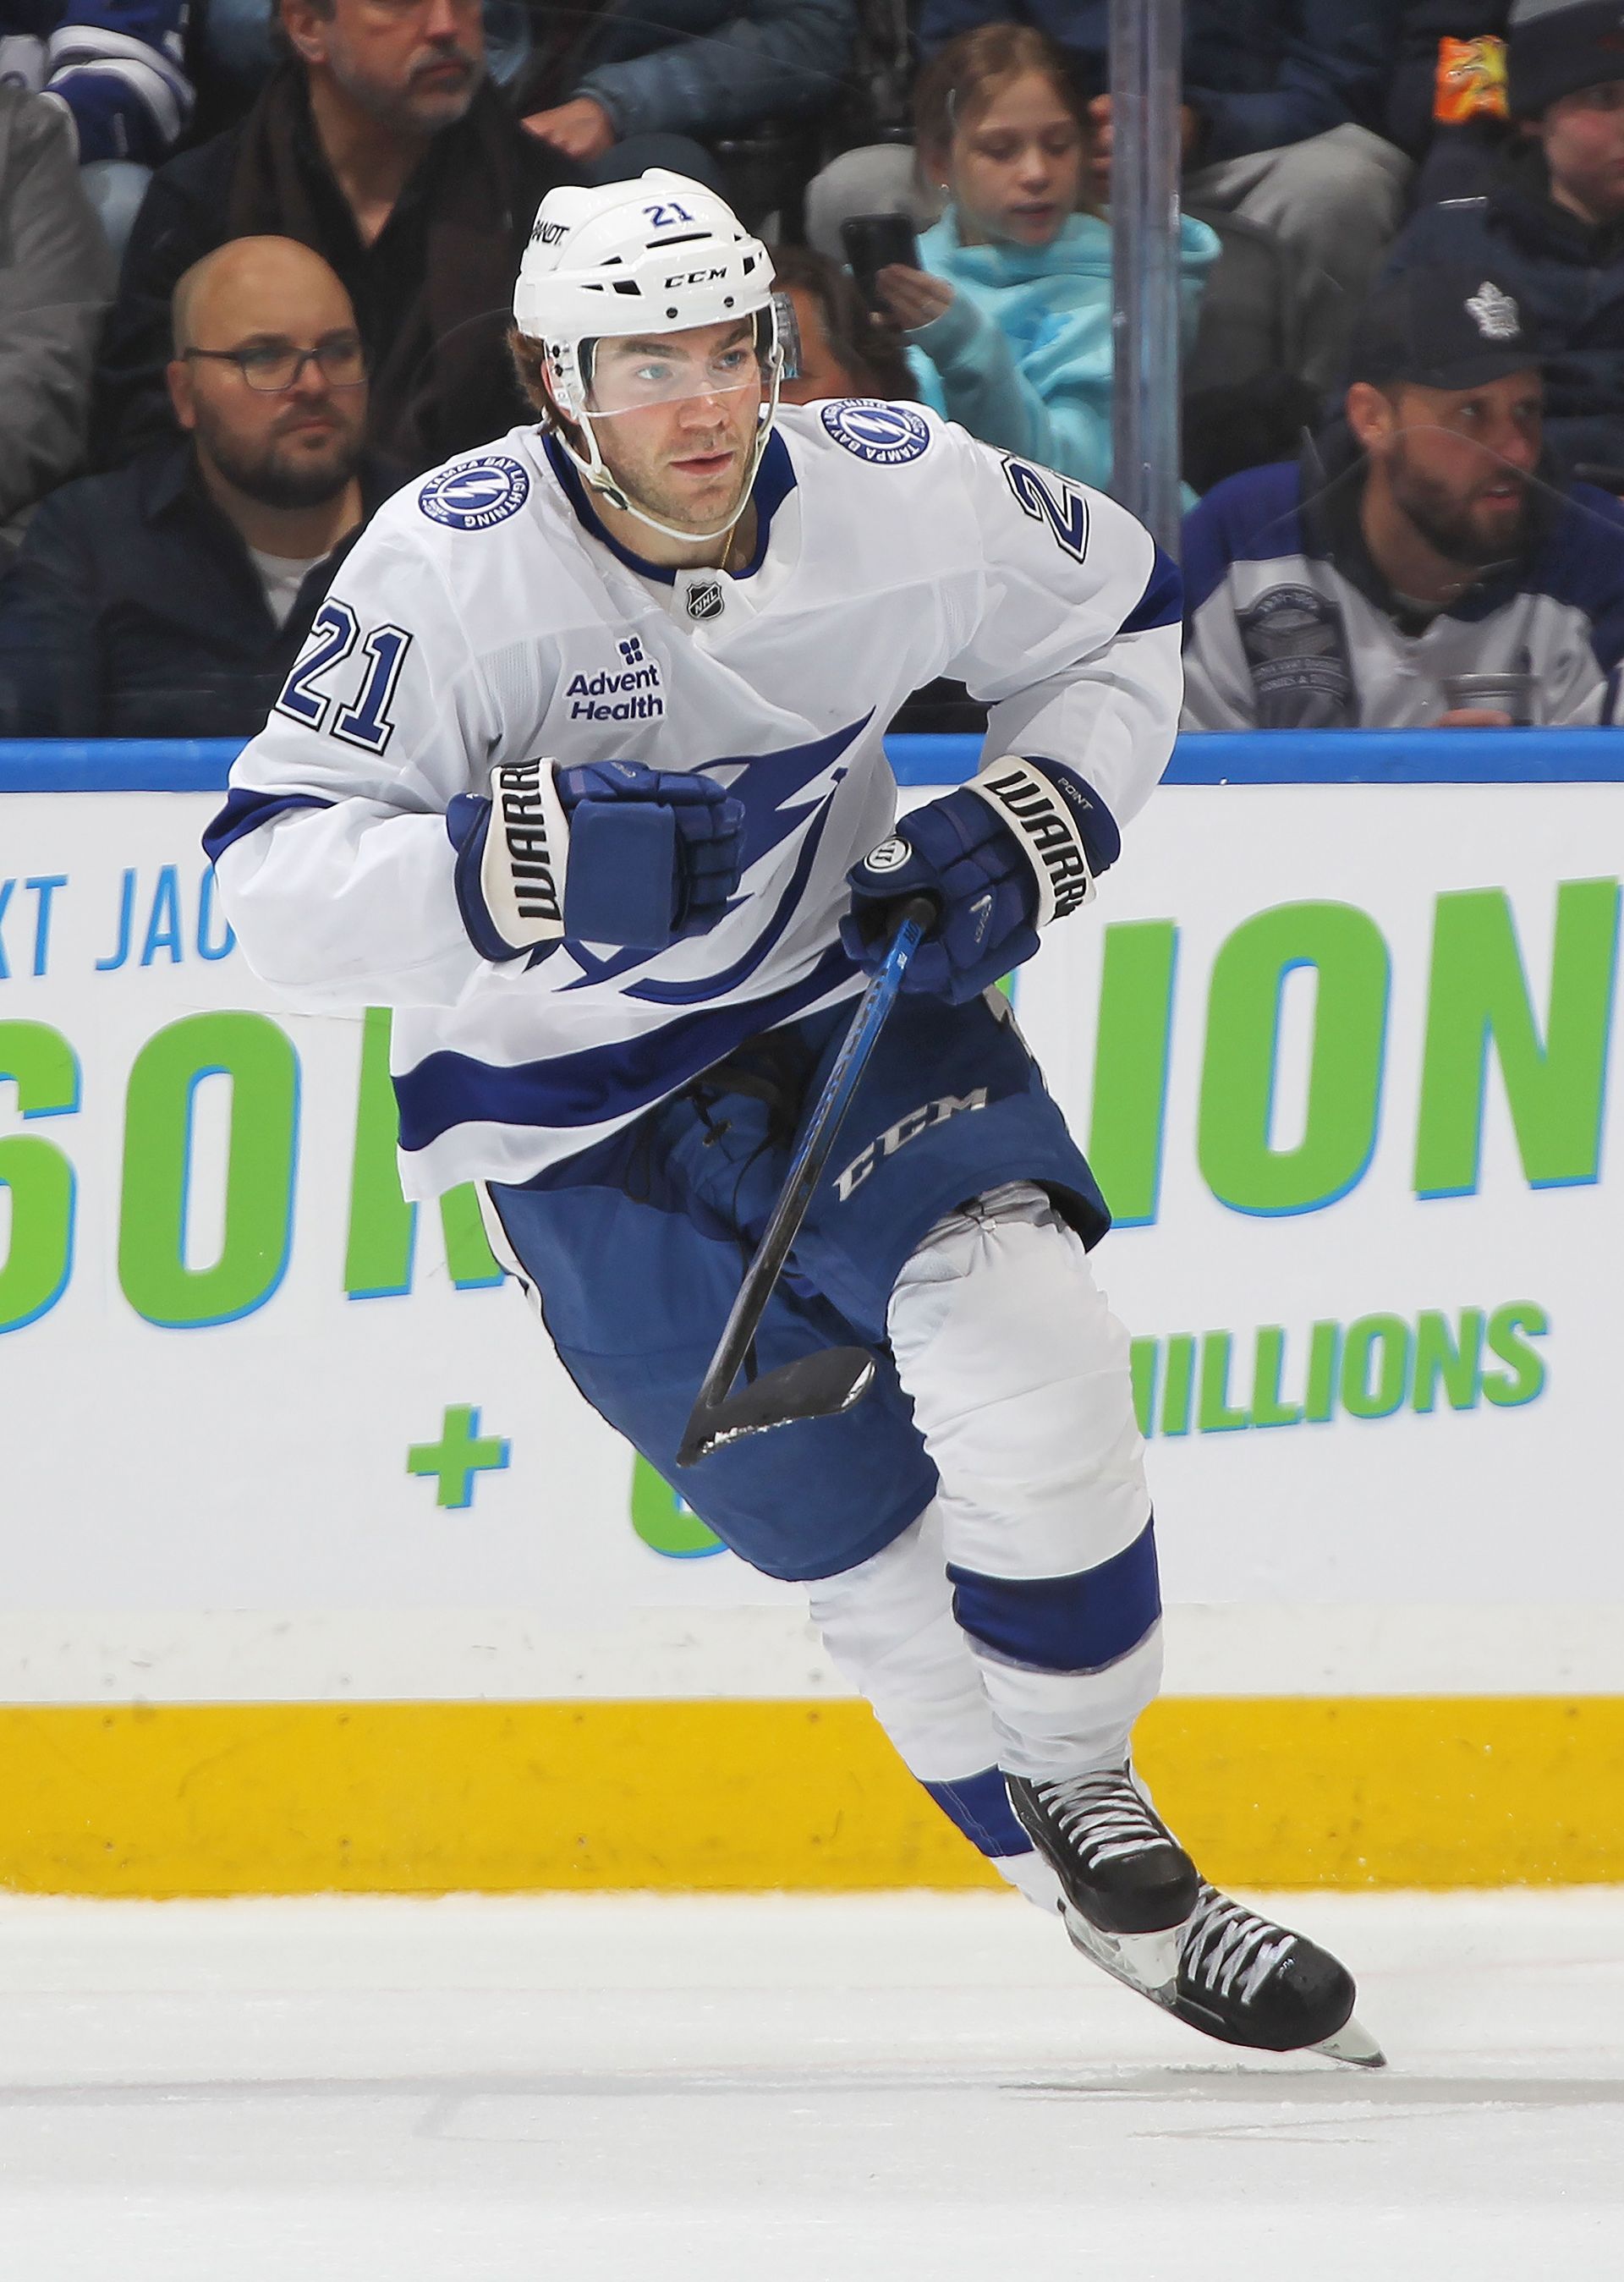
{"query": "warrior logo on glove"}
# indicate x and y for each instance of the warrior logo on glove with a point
(530, 859)
(1019, 845)
(1035, 804)
(888, 856)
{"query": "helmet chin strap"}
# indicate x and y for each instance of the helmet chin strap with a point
(594, 472)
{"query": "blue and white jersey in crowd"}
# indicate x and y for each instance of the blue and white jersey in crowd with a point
(1292, 626)
(116, 66)
(484, 617)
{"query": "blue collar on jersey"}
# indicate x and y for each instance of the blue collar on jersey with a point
(774, 482)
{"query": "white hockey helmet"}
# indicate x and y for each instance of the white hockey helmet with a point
(657, 254)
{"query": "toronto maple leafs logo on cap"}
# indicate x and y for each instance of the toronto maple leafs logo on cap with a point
(1495, 313)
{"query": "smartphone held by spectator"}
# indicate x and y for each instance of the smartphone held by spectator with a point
(1009, 310)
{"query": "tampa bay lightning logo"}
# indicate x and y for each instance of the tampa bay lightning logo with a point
(887, 435)
(477, 495)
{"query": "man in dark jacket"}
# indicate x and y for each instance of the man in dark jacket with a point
(1551, 226)
(1421, 566)
(171, 598)
(380, 146)
(616, 75)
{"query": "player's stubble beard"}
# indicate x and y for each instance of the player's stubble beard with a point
(640, 472)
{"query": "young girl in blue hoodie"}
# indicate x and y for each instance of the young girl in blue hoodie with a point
(1009, 321)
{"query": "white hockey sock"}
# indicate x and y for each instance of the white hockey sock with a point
(1019, 1381)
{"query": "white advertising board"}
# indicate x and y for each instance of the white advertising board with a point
(1341, 1054)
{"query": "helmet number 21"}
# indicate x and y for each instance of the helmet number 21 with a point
(662, 216)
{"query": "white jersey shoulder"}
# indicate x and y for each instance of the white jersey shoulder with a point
(486, 615)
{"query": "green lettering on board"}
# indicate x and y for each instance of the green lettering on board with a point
(663, 1521)
(39, 1252)
(1375, 1366)
(1131, 1065)
(1509, 1331)
(377, 1260)
(1349, 956)
(1449, 1358)
(258, 1060)
(1479, 996)
(1267, 1408)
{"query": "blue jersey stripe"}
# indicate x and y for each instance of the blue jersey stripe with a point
(245, 811)
(1163, 603)
(601, 1084)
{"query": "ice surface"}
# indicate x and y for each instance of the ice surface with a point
(787, 2091)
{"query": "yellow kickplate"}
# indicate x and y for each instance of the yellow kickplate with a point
(289, 1799)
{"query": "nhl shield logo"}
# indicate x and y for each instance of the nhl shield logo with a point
(705, 599)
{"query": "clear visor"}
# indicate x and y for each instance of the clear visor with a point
(635, 375)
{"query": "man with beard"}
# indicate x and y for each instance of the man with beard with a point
(1424, 563)
(170, 598)
(380, 145)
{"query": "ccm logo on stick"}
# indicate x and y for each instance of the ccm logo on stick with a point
(905, 1130)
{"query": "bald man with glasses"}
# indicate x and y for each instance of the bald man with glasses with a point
(379, 143)
(171, 597)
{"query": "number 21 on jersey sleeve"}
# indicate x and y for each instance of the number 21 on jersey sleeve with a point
(333, 636)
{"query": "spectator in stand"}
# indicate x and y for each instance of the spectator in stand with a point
(1280, 100)
(1010, 319)
(171, 598)
(839, 346)
(237, 47)
(1446, 106)
(1422, 564)
(118, 69)
(56, 275)
(1550, 229)
(609, 79)
(379, 145)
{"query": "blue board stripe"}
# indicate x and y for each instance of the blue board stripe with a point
(1318, 757)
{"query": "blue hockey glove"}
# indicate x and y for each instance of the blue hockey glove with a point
(1019, 845)
(613, 853)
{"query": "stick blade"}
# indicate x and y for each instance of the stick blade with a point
(814, 1386)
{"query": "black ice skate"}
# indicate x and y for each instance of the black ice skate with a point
(1128, 1885)
(1246, 1980)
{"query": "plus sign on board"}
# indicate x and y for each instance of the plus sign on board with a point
(460, 1455)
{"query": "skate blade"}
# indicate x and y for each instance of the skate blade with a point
(1353, 2045)
(1145, 1962)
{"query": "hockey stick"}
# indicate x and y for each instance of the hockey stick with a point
(815, 1385)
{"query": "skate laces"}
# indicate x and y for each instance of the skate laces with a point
(1224, 1943)
(1103, 1816)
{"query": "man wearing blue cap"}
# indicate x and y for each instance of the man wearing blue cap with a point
(1424, 562)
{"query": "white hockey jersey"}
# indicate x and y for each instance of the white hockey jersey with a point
(484, 617)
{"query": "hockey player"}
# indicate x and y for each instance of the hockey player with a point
(582, 772)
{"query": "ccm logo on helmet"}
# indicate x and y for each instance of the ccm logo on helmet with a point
(695, 278)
